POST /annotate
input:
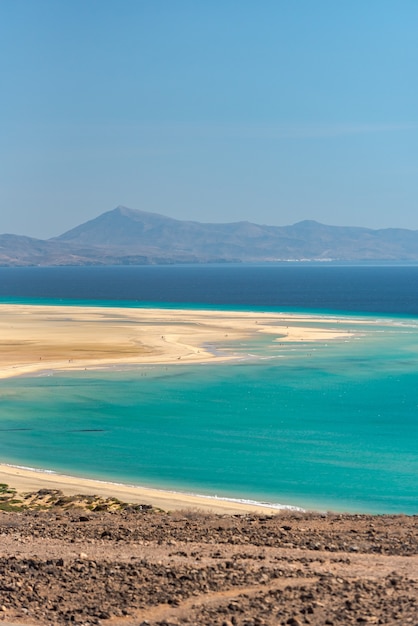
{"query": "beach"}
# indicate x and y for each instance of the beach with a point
(35, 338)
(27, 480)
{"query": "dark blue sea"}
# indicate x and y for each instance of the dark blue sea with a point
(365, 289)
(327, 426)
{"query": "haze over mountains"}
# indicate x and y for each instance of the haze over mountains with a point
(129, 237)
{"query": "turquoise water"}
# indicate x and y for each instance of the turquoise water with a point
(323, 426)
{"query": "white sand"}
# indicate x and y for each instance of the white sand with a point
(27, 480)
(36, 338)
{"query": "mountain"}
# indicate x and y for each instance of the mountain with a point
(131, 237)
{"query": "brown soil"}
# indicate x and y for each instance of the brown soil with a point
(119, 565)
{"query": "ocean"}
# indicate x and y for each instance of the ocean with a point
(330, 426)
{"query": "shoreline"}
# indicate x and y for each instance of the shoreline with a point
(99, 337)
(25, 480)
(39, 338)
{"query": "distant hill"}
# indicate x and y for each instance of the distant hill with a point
(131, 237)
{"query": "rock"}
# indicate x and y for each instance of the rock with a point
(132, 567)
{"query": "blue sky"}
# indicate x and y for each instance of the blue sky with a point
(223, 110)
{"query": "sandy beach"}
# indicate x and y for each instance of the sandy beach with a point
(35, 338)
(28, 480)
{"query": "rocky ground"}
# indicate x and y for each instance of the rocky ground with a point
(88, 561)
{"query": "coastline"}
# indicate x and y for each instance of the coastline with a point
(37, 338)
(99, 337)
(26, 480)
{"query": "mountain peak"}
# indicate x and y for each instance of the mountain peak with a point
(137, 214)
(123, 210)
(130, 236)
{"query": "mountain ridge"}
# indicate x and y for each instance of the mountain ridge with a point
(130, 236)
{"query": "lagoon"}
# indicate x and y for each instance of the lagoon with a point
(330, 425)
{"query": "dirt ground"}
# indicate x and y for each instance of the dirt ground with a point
(89, 561)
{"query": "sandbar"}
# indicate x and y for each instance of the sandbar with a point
(36, 338)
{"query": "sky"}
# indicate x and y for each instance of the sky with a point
(271, 111)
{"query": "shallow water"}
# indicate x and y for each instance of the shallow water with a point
(323, 426)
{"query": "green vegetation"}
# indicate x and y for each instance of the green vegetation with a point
(8, 499)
